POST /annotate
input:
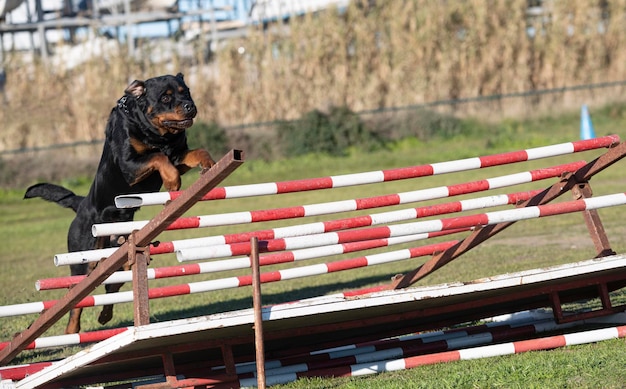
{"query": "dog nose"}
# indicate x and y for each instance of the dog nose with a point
(189, 107)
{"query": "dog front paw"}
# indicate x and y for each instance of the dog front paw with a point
(205, 160)
(172, 184)
(170, 177)
(200, 158)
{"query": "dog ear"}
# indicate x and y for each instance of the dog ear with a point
(136, 88)
(181, 76)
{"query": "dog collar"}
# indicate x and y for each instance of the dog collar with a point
(121, 104)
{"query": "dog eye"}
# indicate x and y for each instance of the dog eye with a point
(166, 99)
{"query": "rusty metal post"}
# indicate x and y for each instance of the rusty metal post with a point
(557, 309)
(258, 314)
(139, 258)
(229, 359)
(207, 181)
(592, 219)
(169, 370)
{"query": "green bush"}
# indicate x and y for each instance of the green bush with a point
(209, 136)
(330, 133)
(420, 123)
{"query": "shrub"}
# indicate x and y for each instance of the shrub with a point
(330, 133)
(420, 123)
(209, 136)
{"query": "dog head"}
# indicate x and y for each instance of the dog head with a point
(165, 102)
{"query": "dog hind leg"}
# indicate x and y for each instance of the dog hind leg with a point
(73, 325)
(106, 314)
(107, 311)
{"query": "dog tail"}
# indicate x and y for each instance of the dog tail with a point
(55, 193)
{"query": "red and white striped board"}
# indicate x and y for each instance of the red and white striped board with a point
(70, 339)
(310, 228)
(417, 344)
(327, 226)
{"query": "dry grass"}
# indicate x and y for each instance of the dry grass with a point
(394, 54)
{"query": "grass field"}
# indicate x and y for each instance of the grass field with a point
(34, 231)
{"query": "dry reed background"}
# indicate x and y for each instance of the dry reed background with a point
(395, 53)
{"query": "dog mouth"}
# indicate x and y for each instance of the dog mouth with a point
(176, 126)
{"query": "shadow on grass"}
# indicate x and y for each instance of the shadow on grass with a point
(268, 299)
(208, 309)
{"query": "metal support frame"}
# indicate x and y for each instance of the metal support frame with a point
(169, 367)
(207, 181)
(139, 259)
(229, 359)
(592, 219)
(169, 370)
(258, 314)
(574, 181)
(602, 290)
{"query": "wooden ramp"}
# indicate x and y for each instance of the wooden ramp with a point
(191, 349)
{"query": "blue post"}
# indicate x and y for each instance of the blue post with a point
(586, 127)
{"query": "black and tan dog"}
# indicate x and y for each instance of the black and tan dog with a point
(145, 147)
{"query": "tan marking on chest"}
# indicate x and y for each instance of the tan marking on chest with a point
(139, 146)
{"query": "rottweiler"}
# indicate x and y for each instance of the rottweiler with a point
(145, 148)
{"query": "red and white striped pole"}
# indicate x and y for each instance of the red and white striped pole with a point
(71, 339)
(387, 365)
(120, 228)
(133, 201)
(243, 262)
(437, 225)
(234, 282)
(219, 246)
(318, 209)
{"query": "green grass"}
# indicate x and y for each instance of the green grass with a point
(34, 231)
